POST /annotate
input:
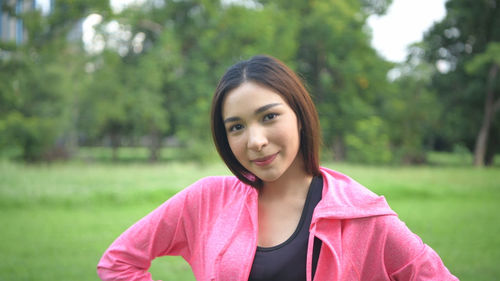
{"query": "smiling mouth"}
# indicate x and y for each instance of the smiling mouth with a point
(265, 160)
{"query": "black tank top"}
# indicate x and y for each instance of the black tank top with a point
(287, 261)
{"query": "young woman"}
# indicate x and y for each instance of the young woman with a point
(282, 217)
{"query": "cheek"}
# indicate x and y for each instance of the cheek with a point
(236, 146)
(288, 134)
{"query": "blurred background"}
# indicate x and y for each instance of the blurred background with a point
(104, 114)
(79, 75)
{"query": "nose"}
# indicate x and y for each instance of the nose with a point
(257, 138)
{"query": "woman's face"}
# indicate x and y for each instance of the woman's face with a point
(262, 131)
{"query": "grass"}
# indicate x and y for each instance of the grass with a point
(58, 219)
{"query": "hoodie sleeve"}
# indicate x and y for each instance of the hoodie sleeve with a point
(407, 258)
(165, 231)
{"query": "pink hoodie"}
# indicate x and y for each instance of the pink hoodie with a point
(212, 224)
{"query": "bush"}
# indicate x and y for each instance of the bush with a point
(369, 143)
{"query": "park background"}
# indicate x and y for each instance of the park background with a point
(95, 135)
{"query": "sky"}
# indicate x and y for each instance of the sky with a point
(404, 23)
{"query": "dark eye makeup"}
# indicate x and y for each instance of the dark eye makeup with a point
(267, 117)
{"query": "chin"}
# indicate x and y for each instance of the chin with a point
(269, 179)
(269, 176)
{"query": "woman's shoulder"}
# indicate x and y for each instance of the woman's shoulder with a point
(210, 195)
(218, 186)
(217, 182)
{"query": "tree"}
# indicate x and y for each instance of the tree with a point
(187, 47)
(412, 109)
(31, 107)
(490, 60)
(344, 73)
(467, 81)
(106, 104)
(38, 95)
(151, 80)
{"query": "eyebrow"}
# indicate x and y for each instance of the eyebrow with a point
(257, 111)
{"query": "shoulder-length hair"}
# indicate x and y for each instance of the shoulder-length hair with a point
(273, 74)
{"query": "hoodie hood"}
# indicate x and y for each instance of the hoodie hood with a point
(344, 198)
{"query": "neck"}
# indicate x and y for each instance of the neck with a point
(293, 184)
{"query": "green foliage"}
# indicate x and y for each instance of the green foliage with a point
(412, 111)
(369, 143)
(155, 77)
(490, 56)
(465, 41)
(344, 74)
(209, 36)
(39, 96)
(36, 105)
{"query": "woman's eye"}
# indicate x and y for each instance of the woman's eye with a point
(236, 127)
(270, 116)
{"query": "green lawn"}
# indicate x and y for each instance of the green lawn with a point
(58, 219)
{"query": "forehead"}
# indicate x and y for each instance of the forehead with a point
(247, 98)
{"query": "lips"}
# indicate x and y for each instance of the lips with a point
(265, 160)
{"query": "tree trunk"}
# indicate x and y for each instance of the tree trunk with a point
(154, 146)
(490, 106)
(338, 146)
(115, 144)
(493, 143)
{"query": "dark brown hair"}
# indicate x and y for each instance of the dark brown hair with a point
(271, 73)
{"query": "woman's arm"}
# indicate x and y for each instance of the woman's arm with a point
(165, 231)
(407, 258)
